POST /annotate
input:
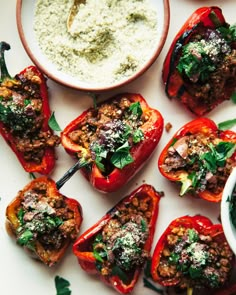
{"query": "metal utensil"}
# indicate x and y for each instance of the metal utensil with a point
(73, 11)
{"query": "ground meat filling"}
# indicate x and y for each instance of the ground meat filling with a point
(211, 72)
(22, 114)
(194, 259)
(107, 128)
(198, 155)
(119, 248)
(44, 219)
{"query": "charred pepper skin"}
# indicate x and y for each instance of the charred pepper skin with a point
(176, 86)
(48, 256)
(203, 225)
(48, 160)
(82, 246)
(152, 130)
(203, 126)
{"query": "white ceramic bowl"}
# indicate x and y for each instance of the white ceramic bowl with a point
(25, 20)
(229, 229)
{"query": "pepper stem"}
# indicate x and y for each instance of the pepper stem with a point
(4, 72)
(79, 164)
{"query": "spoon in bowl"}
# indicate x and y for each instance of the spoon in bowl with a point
(73, 11)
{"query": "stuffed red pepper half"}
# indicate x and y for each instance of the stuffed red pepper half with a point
(192, 253)
(200, 157)
(114, 139)
(118, 245)
(200, 68)
(43, 221)
(24, 116)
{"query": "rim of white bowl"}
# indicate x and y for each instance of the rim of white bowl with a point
(228, 227)
(43, 68)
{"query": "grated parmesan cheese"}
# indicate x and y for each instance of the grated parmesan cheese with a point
(108, 39)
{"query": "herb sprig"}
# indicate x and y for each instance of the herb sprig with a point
(207, 162)
(62, 286)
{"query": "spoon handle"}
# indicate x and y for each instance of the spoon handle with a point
(79, 164)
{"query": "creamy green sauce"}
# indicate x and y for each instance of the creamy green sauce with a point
(107, 41)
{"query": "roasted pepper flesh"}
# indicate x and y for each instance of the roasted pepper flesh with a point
(115, 139)
(192, 253)
(200, 68)
(24, 115)
(118, 245)
(200, 157)
(44, 221)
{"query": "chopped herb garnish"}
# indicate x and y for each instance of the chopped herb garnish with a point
(15, 118)
(229, 34)
(99, 252)
(62, 286)
(143, 225)
(25, 238)
(136, 109)
(194, 67)
(138, 136)
(116, 270)
(207, 162)
(20, 216)
(52, 122)
(122, 156)
(193, 236)
(227, 124)
(173, 258)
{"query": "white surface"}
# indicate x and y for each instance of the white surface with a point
(229, 229)
(22, 275)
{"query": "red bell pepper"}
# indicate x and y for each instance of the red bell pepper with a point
(114, 139)
(199, 68)
(24, 115)
(43, 221)
(192, 253)
(200, 157)
(118, 245)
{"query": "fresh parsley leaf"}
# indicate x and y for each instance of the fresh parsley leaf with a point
(20, 216)
(100, 154)
(99, 252)
(25, 238)
(217, 156)
(52, 122)
(116, 270)
(195, 272)
(62, 286)
(229, 34)
(122, 156)
(227, 124)
(15, 118)
(195, 68)
(193, 236)
(136, 109)
(143, 225)
(138, 136)
(173, 258)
